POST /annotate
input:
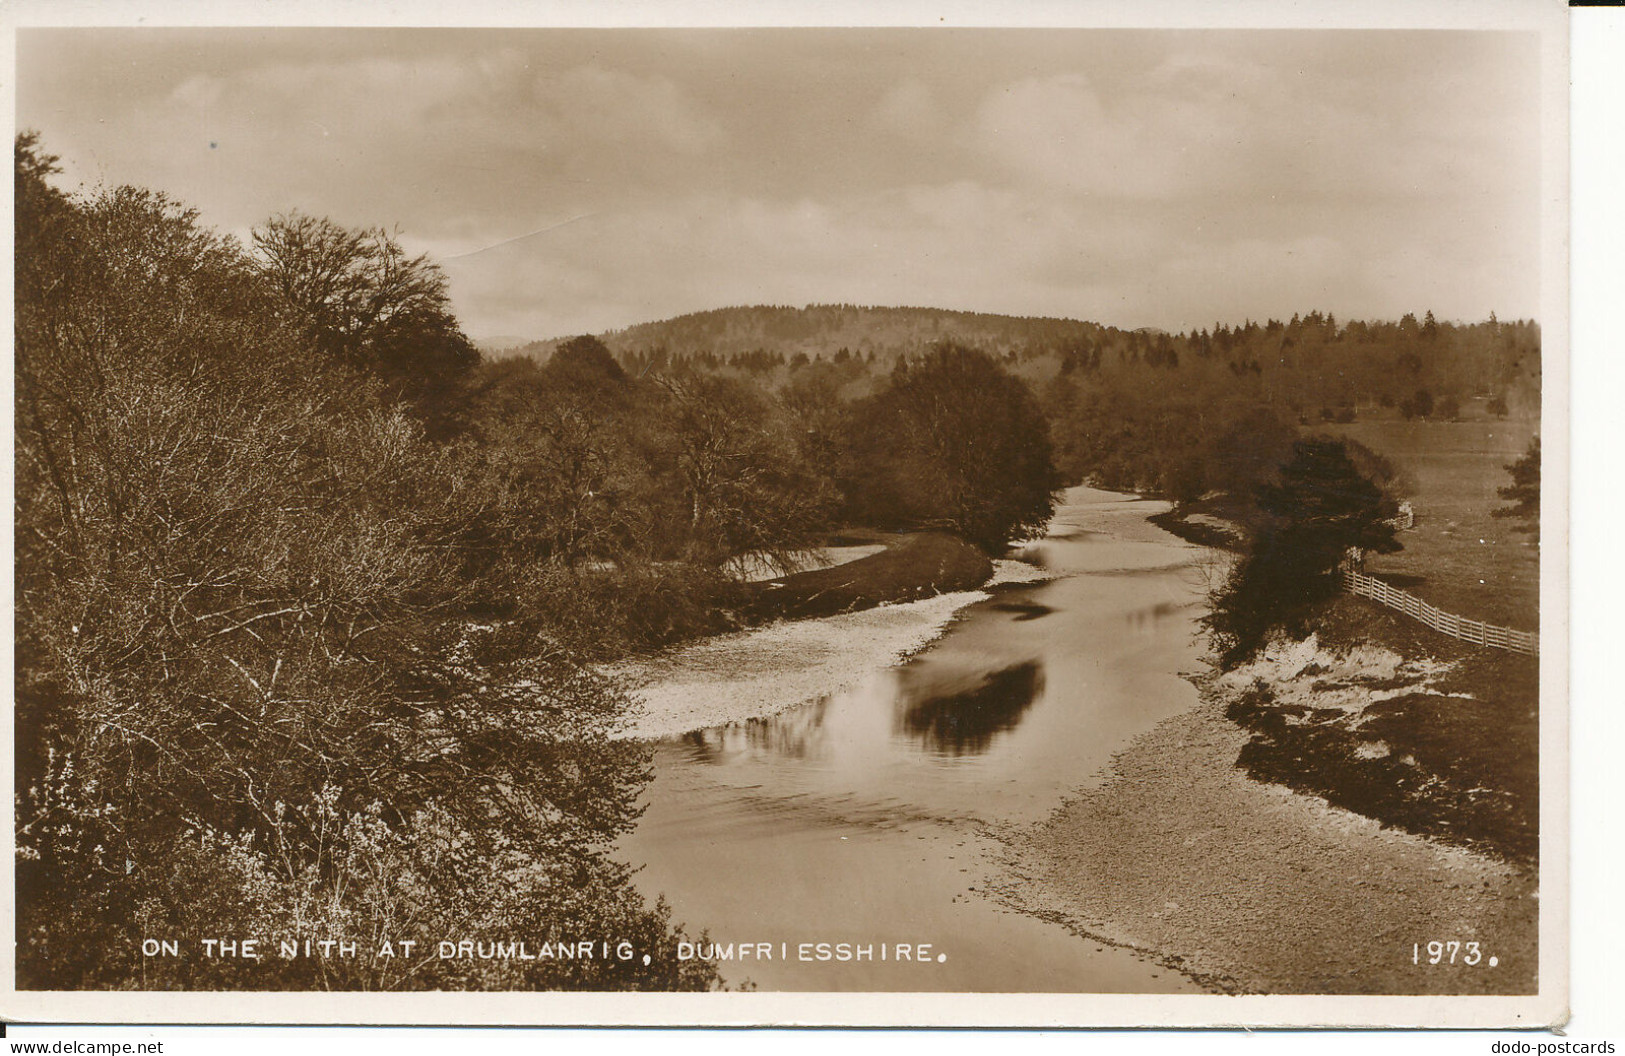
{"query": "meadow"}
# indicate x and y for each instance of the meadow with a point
(1459, 556)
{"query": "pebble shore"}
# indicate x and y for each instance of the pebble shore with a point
(1252, 888)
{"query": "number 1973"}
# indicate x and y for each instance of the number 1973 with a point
(1450, 952)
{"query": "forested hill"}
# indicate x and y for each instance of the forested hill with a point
(1312, 365)
(1137, 409)
(824, 329)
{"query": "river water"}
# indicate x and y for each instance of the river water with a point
(862, 817)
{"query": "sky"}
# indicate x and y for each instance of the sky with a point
(573, 181)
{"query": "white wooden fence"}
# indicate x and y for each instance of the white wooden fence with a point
(1445, 622)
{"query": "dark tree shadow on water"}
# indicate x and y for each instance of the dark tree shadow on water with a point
(1024, 610)
(965, 722)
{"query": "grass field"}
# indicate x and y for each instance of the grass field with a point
(1458, 557)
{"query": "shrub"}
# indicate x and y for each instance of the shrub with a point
(1322, 506)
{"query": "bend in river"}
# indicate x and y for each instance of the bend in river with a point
(863, 815)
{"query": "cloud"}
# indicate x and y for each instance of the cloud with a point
(1062, 132)
(594, 104)
(908, 107)
(433, 143)
(1199, 125)
(1135, 177)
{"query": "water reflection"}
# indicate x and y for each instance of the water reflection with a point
(798, 733)
(964, 721)
(1024, 610)
(859, 813)
(943, 712)
(1148, 620)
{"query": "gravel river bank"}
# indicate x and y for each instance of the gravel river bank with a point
(1252, 888)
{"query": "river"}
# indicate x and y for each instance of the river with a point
(862, 817)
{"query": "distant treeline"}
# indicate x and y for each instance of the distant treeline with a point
(1308, 364)
(821, 330)
(1175, 415)
(1216, 410)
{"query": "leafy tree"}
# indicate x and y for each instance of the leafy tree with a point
(586, 363)
(735, 471)
(1524, 491)
(1248, 452)
(1320, 508)
(554, 446)
(812, 401)
(42, 215)
(559, 460)
(1186, 481)
(955, 442)
(361, 299)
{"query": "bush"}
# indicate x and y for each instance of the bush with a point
(1322, 506)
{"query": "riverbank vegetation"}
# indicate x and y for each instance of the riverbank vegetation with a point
(272, 680)
(1363, 711)
(1320, 508)
(1362, 706)
(1385, 717)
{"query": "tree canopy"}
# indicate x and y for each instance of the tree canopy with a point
(1321, 506)
(955, 441)
(360, 298)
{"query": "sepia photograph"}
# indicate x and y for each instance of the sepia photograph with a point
(692, 523)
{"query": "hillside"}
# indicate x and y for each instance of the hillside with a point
(824, 329)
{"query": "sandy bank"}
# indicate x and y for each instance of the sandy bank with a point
(762, 671)
(1252, 888)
